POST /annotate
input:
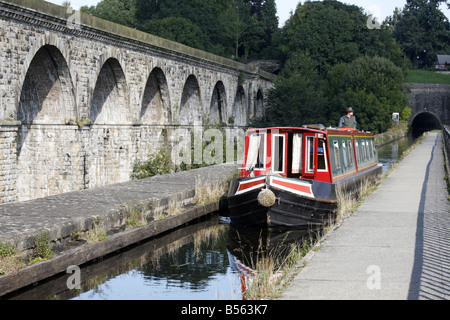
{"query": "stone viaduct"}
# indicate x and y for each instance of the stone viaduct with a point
(82, 98)
(430, 105)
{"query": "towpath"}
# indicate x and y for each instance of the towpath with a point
(396, 246)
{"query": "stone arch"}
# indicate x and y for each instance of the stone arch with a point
(259, 104)
(109, 159)
(240, 108)
(218, 107)
(155, 108)
(191, 110)
(109, 104)
(50, 42)
(424, 121)
(47, 94)
(46, 147)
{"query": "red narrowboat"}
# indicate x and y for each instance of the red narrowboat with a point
(291, 176)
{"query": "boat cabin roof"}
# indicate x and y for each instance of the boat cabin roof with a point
(315, 128)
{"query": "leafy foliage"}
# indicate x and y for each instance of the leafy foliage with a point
(177, 29)
(332, 32)
(373, 87)
(42, 247)
(158, 164)
(224, 27)
(422, 31)
(296, 98)
(119, 11)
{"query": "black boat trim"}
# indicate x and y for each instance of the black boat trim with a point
(300, 217)
(241, 204)
(308, 207)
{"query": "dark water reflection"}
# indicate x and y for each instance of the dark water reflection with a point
(390, 153)
(203, 261)
(187, 264)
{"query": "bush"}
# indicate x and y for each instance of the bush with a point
(42, 248)
(157, 164)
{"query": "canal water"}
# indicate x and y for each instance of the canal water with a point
(208, 260)
(390, 153)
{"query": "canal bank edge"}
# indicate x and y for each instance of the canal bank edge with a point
(80, 255)
(89, 252)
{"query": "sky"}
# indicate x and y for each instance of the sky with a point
(380, 8)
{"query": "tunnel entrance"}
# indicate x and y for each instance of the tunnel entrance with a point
(424, 122)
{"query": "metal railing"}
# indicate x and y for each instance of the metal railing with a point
(446, 134)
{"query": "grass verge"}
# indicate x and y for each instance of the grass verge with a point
(424, 76)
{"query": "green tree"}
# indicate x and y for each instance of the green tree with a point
(323, 31)
(296, 98)
(373, 87)
(119, 11)
(177, 29)
(209, 15)
(269, 20)
(333, 32)
(224, 27)
(265, 13)
(252, 36)
(422, 31)
(237, 25)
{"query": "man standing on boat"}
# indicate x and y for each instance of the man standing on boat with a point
(349, 120)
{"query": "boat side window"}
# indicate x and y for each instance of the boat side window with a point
(363, 151)
(278, 153)
(372, 153)
(368, 150)
(261, 162)
(366, 154)
(256, 151)
(337, 158)
(322, 163)
(297, 156)
(310, 156)
(350, 152)
(344, 150)
(358, 159)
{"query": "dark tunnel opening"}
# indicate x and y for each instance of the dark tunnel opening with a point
(424, 122)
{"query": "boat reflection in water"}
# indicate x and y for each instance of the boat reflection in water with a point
(260, 254)
(201, 261)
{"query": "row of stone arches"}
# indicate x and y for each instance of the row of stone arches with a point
(48, 96)
(54, 156)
